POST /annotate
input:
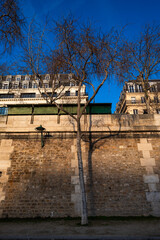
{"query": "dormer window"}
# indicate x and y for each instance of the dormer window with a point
(152, 89)
(140, 88)
(71, 84)
(35, 85)
(15, 86)
(131, 88)
(27, 78)
(5, 86)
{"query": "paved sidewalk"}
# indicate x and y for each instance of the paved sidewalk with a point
(71, 229)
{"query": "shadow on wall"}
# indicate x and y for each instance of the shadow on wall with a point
(93, 141)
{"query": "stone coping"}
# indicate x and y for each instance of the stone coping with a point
(85, 134)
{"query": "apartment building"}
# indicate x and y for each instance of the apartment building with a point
(28, 89)
(132, 98)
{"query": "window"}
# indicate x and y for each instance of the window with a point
(152, 89)
(142, 99)
(135, 111)
(133, 100)
(156, 100)
(3, 111)
(5, 86)
(18, 79)
(145, 111)
(46, 94)
(46, 85)
(49, 94)
(24, 85)
(6, 95)
(35, 85)
(15, 86)
(71, 84)
(131, 88)
(76, 93)
(8, 79)
(140, 88)
(158, 111)
(67, 93)
(28, 95)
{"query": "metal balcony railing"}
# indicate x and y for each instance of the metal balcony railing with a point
(141, 102)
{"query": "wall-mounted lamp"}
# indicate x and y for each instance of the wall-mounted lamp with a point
(41, 129)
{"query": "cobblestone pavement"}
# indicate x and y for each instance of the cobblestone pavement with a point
(71, 229)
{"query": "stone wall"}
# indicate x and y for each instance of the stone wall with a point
(121, 157)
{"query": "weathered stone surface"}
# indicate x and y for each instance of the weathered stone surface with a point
(4, 164)
(75, 179)
(152, 187)
(43, 182)
(147, 162)
(156, 209)
(144, 147)
(146, 154)
(153, 196)
(154, 178)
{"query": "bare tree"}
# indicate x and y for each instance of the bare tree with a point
(11, 22)
(142, 58)
(35, 63)
(89, 56)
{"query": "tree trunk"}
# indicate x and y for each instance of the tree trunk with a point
(148, 105)
(147, 102)
(84, 214)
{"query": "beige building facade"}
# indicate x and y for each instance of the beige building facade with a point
(132, 98)
(27, 89)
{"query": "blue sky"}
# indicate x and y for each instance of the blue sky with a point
(105, 14)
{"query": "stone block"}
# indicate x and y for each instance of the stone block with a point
(121, 147)
(146, 154)
(75, 179)
(4, 156)
(147, 161)
(6, 142)
(144, 146)
(2, 195)
(74, 163)
(153, 196)
(77, 189)
(152, 187)
(1, 211)
(4, 164)
(76, 171)
(73, 149)
(155, 209)
(152, 178)
(143, 140)
(149, 170)
(7, 149)
(76, 197)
